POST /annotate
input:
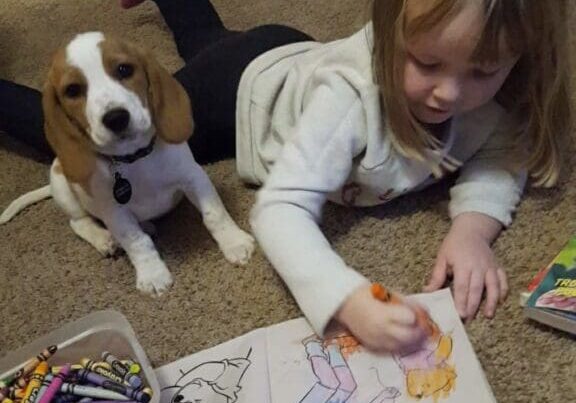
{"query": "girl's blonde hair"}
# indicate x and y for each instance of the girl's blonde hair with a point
(536, 92)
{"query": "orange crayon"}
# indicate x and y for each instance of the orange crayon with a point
(35, 382)
(423, 320)
(20, 376)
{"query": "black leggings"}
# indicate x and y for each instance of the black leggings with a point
(215, 60)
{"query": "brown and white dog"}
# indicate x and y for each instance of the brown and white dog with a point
(119, 124)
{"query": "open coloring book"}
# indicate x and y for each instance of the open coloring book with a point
(287, 363)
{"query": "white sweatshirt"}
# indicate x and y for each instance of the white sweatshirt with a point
(309, 128)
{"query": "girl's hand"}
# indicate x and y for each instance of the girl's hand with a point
(467, 256)
(379, 326)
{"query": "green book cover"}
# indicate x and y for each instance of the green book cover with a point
(557, 291)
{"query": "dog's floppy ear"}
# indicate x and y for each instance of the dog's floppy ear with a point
(169, 103)
(70, 145)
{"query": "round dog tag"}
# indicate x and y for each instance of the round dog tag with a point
(122, 189)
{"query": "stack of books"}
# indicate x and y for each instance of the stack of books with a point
(551, 295)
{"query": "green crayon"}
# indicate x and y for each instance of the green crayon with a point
(133, 366)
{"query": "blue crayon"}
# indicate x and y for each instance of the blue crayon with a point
(88, 376)
(89, 391)
(45, 383)
(54, 386)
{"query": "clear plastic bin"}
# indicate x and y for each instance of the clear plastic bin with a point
(88, 337)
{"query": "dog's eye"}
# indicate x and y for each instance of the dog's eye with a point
(73, 90)
(124, 70)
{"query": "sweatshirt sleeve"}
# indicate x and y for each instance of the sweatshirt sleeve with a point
(316, 162)
(489, 183)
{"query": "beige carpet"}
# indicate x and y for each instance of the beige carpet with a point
(48, 276)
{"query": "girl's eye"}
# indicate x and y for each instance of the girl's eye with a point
(483, 74)
(125, 70)
(425, 65)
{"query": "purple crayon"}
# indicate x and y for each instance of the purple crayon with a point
(122, 370)
(45, 383)
(88, 376)
(54, 387)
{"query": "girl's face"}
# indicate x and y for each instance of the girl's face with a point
(440, 80)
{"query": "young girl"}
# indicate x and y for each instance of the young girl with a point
(426, 88)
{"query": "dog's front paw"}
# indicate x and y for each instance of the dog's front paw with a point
(154, 279)
(237, 246)
(105, 244)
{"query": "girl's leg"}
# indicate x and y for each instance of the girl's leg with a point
(211, 79)
(21, 115)
(194, 24)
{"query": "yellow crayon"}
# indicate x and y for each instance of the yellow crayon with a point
(91, 364)
(16, 394)
(7, 400)
(35, 382)
(56, 369)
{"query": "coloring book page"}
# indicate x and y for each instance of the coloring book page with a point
(234, 371)
(304, 369)
(288, 363)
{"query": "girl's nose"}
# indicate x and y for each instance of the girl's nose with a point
(447, 91)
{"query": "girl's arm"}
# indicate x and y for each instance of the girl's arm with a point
(316, 162)
(491, 182)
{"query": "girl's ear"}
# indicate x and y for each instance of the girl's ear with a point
(169, 103)
(71, 147)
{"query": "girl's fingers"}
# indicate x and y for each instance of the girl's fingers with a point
(493, 292)
(503, 284)
(438, 277)
(461, 289)
(405, 336)
(401, 315)
(475, 290)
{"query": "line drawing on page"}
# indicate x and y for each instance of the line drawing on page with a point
(217, 381)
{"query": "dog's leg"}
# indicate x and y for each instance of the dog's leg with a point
(152, 275)
(236, 244)
(81, 222)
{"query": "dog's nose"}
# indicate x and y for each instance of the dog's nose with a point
(116, 119)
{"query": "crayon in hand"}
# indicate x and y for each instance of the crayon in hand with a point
(423, 320)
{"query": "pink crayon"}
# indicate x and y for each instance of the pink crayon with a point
(55, 385)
